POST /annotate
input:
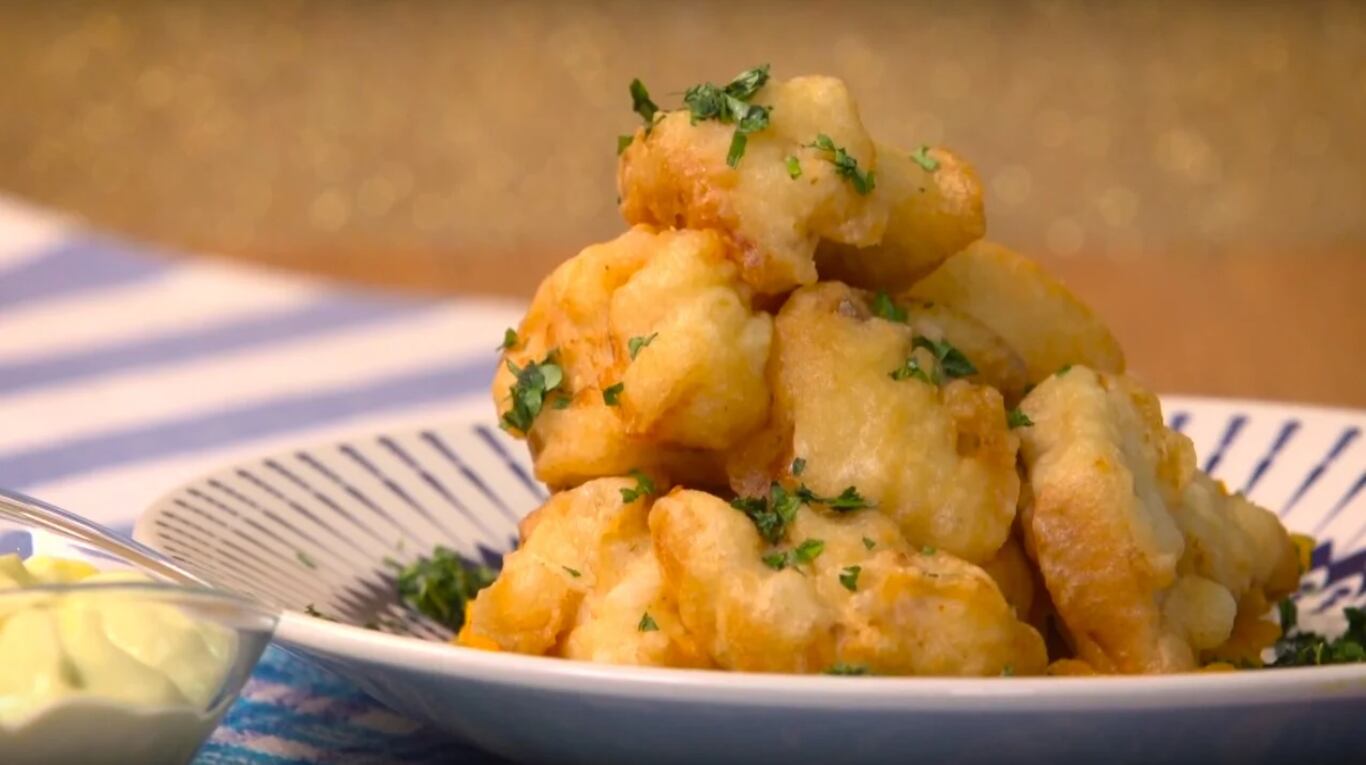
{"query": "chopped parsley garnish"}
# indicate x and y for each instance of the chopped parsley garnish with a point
(730, 105)
(770, 515)
(636, 343)
(622, 142)
(784, 504)
(560, 402)
(1297, 648)
(748, 82)
(847, 500)
(738, 141)
(611, 395)
(643, 487)
(509, 339)
(440, 585)
(909, 369)
(928, 550)
(304, 560)
(572, 571)
(952, 362)
(1008, 670)
(869, 543)
(1018, 419)
(845, 165)
(922, 157)
(708, 102)
(849, 577)
(794, 167)
(798, 466)
(647, 623)
(808, 550)
(1064, 369)
(528, 394)
(840, 668)
(805, 552)
(641, 103)
(755, 119)
(884, 308)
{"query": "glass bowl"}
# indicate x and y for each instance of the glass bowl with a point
(114, 670)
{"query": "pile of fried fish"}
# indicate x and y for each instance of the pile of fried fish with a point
(802, 418)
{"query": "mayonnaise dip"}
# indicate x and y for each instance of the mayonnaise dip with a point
(106, 675)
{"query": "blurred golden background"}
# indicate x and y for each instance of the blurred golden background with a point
(1197, 169)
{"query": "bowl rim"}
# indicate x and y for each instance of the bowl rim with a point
(32, 514)
(155, 590)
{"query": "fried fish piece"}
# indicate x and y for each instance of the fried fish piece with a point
(1235, 542)
(581, 585)
(1044, 322)
(662, 354)
(932, 451)
(1144, 559)
(936, 210)
(1244, 548)
(847, 591)
(782, 197)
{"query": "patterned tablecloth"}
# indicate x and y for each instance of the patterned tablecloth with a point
(124, 372)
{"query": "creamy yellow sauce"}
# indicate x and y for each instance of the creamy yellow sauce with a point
(114, 648)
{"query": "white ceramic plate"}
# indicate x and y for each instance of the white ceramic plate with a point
(313, 527)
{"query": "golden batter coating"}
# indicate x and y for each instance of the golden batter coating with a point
(1244, 548)
(932, 451)
(581, 585)
(864, 600)
(1234, 542)
(662, 355)
(1146, 559)
(676, 174)
(1014, 574)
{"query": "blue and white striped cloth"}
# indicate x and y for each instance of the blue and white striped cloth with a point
(124, 373)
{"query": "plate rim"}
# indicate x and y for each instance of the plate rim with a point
(1043, 693)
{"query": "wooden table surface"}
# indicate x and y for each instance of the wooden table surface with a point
(1279, 326)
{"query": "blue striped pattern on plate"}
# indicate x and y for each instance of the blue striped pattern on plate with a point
(124, 372)
(326, 528)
